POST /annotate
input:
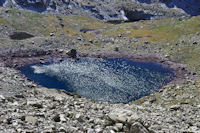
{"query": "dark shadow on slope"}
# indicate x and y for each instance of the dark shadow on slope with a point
(20, 35)
(145, 1)
(2, 2)
(116, 21)
(191, 7)
(93, 10)
(39, 10)
(132, 15)
(35, 5)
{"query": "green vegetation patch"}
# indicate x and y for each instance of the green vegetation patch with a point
(3, 21)
(44, 24)
(165, 30)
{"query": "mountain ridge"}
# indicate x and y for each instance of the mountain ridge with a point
(110, 9)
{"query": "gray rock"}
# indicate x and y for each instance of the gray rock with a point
(90, 130)
(98, 130)
(62, 118)
(2, 98)
(175, 107)
(79, 117)
(31, 120)
(118, 127)
(119, 115)
(133, 118)
(62, 129)
(35, 103)
(122, 119)
(138, 128)
(2, 119)
(56, 118)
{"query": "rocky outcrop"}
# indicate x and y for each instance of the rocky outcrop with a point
(191, 7)
(34, 3)
(2, 2)
(135, 15)
(112, 9)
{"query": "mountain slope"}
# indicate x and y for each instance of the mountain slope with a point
(110, 9)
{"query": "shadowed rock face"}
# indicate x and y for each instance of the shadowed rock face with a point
(129, 15)
(191, 7)
(33, 3)
(20, 35)
(1, 2)
(134, 15)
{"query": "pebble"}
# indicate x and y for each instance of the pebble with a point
(51, 34)
(90, 131)
(62, 118)
(31, 119)
(2, 98)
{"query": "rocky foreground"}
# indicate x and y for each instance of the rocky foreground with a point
(27, 107)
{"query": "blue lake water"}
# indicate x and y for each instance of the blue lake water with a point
(115, 80)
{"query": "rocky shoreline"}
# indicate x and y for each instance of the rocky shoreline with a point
(38, 109)
(28, 107)
(18, 59)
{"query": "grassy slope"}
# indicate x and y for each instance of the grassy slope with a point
(167, 31)
(43, 24)
(160, 32)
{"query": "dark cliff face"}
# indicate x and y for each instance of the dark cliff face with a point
(134, 15)
(111, 10)
(191, 7)
(33, 3)
(2, 2)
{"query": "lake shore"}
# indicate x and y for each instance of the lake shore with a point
(20, 58)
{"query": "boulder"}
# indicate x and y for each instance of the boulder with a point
(31, 119)
(32, 3)
(138, 128)
(72, 53)
(2, 99)
(56, 118)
